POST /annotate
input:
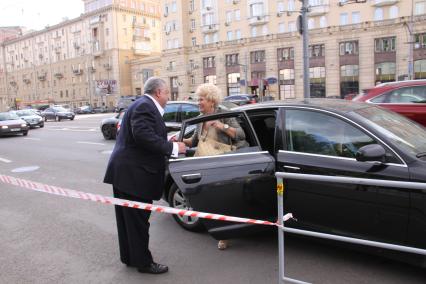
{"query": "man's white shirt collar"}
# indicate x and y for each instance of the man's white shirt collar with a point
(160, 109)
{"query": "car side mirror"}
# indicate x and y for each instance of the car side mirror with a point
(371, 153)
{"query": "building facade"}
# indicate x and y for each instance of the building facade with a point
(253, 46)
(81, 61)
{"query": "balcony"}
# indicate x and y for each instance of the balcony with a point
(107, 66)
(77, 71)
(26, 81)
(58, 75)
(210, 28)
(258, 20)
(92, 69)
(139, 25)
(319, 10)
(141, 38)
(139, 51)
(41, 77)
(57, 49)
(381, 3)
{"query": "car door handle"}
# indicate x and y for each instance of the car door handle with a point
(256, 172)
(191, 178)
(292, 168)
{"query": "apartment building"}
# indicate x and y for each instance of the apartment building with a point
(253, 46)
(81, 61)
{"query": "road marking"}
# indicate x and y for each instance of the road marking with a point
(35, 139)
(5, 160)
(25, 169)
(90, 143)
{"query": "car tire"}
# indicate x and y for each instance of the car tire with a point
(107, 132)
(45, 118)
(25, 133)
(177, 200)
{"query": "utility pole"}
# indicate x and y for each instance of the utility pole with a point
(410, 27)
(303, 24)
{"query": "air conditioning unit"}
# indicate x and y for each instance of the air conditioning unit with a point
(196, 66)
(107, 66)
(40, 56)
(92, 69)
(189, 72)
(235, 2)
(167, 32)
(279, 14)
(227, 24)
(208, 8)
(191, 30)
(190, 12)
(165, 15)
(210, 27)
(259, 18)
(168, 68)
(76, 46)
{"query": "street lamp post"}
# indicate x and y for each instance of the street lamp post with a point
(410, 28)
(305, 35)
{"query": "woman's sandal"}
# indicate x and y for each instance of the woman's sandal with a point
(222, 244)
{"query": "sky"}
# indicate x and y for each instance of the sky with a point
(37, 14)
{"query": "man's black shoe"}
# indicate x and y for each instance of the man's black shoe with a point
(153, 268)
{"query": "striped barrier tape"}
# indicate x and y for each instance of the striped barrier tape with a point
(36, 186)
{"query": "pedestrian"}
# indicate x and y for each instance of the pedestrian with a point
(136, 171)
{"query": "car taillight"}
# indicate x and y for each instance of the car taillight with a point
(252, 101)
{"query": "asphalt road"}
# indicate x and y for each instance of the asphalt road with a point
(52, 239)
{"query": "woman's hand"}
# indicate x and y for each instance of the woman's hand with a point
(217, 124)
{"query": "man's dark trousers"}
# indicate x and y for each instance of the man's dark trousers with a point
(133, 231)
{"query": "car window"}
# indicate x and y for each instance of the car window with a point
(415, 94)
(121, 115)
(170, 112)
(189, 111)
(206, 140)
(318, 133)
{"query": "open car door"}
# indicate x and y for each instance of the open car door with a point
(238, 183)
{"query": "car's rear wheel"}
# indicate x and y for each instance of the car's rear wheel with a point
(177, 200)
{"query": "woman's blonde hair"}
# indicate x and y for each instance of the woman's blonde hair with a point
(210, 92)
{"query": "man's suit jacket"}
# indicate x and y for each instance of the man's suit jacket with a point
(137, 163)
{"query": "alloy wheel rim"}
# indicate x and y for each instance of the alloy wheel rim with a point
(180, 202)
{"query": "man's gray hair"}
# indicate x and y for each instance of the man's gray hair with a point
(153, 84)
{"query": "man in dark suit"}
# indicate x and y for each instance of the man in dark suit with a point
(136, 171)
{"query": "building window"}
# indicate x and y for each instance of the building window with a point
(311, 23)
(206, 39)
(215, 37)
(356, 17)
(209, 62)
(233, 84)
(229, 16)
(323, 22)
(210, 79)
(237, 15)
(256, 9)
(229, 35)
(348, 47)
(286, 75)
(253, 31)
(286, 84)
(194, 41)
(387, 44)
(257, 56)
(420, 69)
(290, 5)
(344, 19)
(192, 24)
(265, 30)
(291, 26)
(317, 50)
(378, 14)
(208, 19)
(317, 81)
(172, 65)
(238, 34)
(393, 12)
(420, 8)
(281, 27)
(174, 7)
(191, 5)
(349, 80)
(192, 77)
(385, 72)
(285, 54)
(232, 59)
(420, 41)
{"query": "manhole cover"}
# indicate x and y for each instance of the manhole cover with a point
(25, 169)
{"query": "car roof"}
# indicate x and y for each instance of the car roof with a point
(401, 83)
(336, 105)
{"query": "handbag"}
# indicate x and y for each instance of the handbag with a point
(209, 146)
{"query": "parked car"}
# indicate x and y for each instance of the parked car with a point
(124, 102)
(57, 114)
(404, 97)
(33, 120)
(317, 136)
(11, 124)
(242, 99)
(84, 110)
(109, 125)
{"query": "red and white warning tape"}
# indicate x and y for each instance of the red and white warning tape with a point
(127, 203)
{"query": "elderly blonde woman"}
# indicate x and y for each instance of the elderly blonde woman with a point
(227, 130)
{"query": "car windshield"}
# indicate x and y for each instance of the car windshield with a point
(60, 109)
(8, 116)
(24, 112)
(402, 131)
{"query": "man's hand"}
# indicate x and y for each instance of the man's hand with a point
(182, 147)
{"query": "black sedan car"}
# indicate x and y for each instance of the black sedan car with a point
(57, 114)
(317, 136)
(242, 99)
(11, 124)
(109, 125)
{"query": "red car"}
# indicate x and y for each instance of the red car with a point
(404, 97)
